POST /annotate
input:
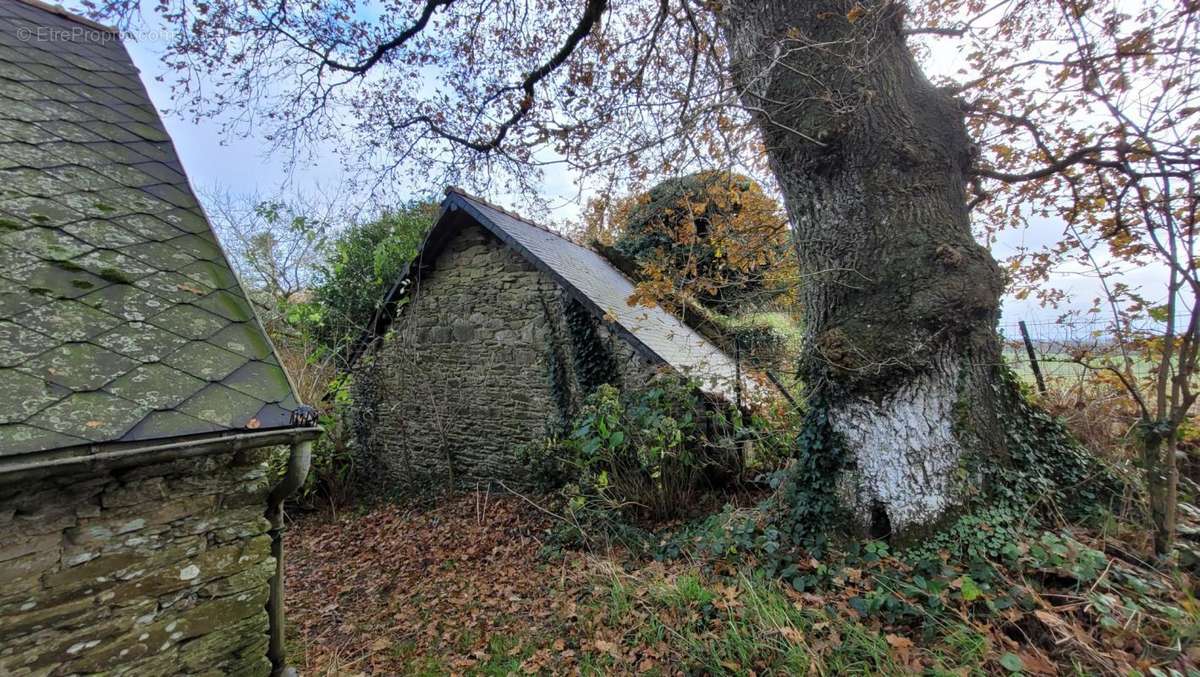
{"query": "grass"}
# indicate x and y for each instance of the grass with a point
(506, 655)
(754, 626)
(783, 323)
(375, 594)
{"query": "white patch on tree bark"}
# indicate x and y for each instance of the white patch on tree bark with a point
(906, 453)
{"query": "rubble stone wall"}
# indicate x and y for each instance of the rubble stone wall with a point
(478, 365)
(160, 569)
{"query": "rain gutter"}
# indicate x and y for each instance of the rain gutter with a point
(103, 457)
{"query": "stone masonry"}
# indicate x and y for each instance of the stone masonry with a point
(478, 364)
(160, 569)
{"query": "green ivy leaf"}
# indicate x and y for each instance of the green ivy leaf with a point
(1011, 662)
(970, 590)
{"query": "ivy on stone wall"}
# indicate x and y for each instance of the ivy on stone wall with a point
(580, 358)
(594, 361)
(563, 381)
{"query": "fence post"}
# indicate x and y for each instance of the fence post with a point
(737, 370)
(1033, 363)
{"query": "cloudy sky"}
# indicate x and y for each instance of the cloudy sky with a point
(243, 164)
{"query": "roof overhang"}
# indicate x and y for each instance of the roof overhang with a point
(112, 455)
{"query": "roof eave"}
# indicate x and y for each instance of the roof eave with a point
(104, 456)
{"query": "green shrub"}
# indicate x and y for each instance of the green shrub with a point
(330, 478)
(649, 455)
(648, 452)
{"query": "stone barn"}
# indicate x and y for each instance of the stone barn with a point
(139, 532)
(489, 341)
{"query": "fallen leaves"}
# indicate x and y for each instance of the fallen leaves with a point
(463, 588)
(394, 586)
(1035, 663)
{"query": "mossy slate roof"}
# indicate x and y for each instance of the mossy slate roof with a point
(120, 318)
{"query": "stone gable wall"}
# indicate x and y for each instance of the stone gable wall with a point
(154, 570)
(633, 371)
(477, 365)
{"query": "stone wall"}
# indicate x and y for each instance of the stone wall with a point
(479, 363)
(154, 570)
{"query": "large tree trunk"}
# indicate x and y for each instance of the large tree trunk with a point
(900, 302)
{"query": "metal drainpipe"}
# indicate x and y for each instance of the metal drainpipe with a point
(297, 471)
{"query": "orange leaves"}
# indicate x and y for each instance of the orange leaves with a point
(1034, 663)
(393, 586)
(609, 648)
(701, 236)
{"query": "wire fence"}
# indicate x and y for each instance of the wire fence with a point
(1061, 347)
(1066, 351)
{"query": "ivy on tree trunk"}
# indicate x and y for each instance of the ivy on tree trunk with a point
(900, 301)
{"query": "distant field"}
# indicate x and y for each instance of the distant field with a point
(1057, 365)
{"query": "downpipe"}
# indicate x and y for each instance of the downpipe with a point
(297, 470)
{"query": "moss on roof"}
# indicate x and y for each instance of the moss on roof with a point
(120, 318)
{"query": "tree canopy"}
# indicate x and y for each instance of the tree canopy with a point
(469, 91)
(361, 265)
(711, 237)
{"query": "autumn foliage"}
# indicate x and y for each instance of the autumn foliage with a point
(712, 237)
(1086, 120)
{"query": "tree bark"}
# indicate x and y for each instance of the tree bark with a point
(900, 302)
(1162, 482)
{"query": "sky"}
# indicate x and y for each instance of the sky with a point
(221, 163)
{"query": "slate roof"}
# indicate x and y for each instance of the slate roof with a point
(120, 317)
(658, 335)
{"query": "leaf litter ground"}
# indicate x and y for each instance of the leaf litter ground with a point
(466, 587)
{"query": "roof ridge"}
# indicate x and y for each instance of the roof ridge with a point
(508, 212)
(65, 13)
